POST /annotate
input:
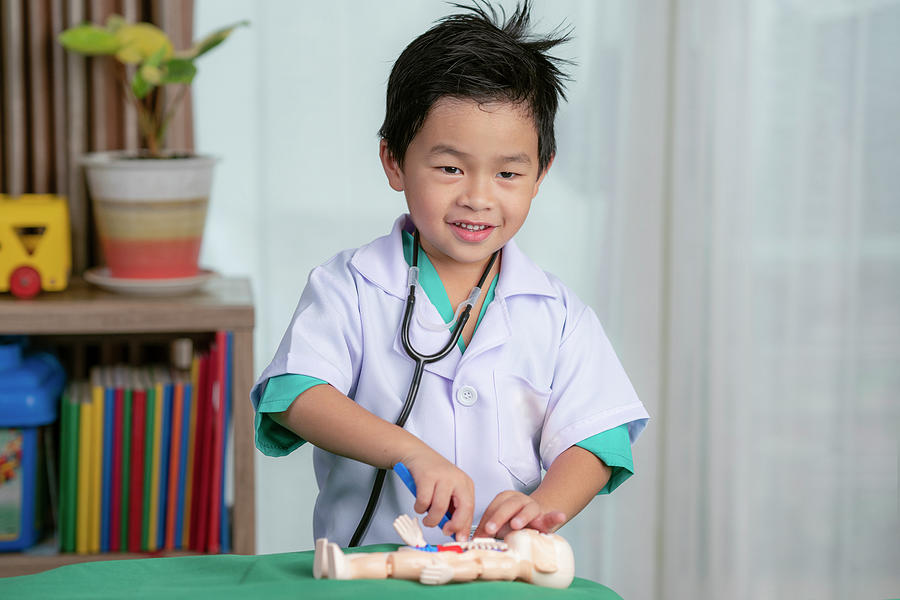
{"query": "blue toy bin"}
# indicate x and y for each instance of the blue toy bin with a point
(30, 387)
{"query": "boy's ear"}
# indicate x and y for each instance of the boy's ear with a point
(391, 167)
(537, 184)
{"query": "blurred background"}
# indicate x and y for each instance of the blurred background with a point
(724, 196)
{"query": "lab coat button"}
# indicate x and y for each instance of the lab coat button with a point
(466, 395)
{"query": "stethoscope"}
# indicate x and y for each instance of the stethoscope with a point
(420, 361)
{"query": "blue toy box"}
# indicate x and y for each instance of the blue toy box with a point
(30, 386)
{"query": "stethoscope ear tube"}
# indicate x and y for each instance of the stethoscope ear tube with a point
(420, 361)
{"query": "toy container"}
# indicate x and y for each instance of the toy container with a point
(30, 386)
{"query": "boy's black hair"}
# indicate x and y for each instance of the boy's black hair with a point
(482, 56)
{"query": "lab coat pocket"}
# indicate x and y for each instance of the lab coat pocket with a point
(520, 415)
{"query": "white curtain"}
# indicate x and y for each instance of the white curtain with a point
(782, 396)
(723, 196)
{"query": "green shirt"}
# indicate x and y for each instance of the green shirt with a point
(613, 446)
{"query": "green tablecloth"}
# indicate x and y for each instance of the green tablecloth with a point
(263, 577)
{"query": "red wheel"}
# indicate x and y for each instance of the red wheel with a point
(25, 282)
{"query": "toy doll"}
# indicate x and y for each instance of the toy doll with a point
(523, 555)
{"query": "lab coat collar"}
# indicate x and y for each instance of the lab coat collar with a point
(382, 263)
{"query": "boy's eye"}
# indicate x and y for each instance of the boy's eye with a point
(506, 174)
(451, 170)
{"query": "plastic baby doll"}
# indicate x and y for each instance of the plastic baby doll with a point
(524, 555)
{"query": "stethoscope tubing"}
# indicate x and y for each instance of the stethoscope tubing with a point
(420, 360)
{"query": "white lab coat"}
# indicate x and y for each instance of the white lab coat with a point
(538, 377)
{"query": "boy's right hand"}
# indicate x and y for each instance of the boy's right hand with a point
(441, 485)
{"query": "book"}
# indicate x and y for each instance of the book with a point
(191, 453)
(126, 458)
(84, 469)
(149, 459)
(165, 447)
(138, 442)
(115, 511)
(109, 395)
(224, 522)
(215, 500)
(185, 383)
(156, 467)
(174, 461)
(205, 419)
(68, 468)
(96, 442)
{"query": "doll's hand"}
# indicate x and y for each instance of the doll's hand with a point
(511, 510)
(442, 486)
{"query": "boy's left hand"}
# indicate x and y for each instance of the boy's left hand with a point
(511, 510)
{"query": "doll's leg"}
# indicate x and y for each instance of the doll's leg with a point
(365, 565)
(320, 561)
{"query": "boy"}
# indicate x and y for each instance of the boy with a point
(531, 383)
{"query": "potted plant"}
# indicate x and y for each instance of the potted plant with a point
(149, 206)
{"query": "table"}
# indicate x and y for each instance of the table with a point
(269, 576)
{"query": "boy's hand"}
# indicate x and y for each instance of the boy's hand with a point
(441, 485)
(511, 510)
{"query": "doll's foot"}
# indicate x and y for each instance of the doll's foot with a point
(320, 562)
(337, 563)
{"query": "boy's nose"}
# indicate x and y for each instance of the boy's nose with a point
(477, 194)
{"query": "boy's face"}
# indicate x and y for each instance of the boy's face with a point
(469, 176)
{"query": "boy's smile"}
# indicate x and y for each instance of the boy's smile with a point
(469, 176)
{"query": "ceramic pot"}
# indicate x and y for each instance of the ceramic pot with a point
(150, 212)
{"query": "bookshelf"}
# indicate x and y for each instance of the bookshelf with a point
(84, 315)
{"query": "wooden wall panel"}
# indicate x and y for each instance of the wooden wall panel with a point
(56, 106)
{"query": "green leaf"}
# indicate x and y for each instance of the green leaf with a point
(140, 86)
(178, 70)
(156, 58)
(209, 42)
(114, 22)
(89, 40)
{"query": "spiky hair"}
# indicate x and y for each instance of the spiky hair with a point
(480, 55)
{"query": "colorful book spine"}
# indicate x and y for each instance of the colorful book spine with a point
(126, 460)
(174, 461)
(149, 431)
(214, 544)
(68, 468)
(165, 446)
(138, 419)
(224, 527)
(109, 399)
(116, 476)
(191, 454)
(153, 525)
(84, 471)
(197, 541)
(96, 442)
(183, 457)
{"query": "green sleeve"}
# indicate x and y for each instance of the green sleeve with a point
(613, 447)
(271, 438)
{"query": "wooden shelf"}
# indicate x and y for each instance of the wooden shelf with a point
(224, 303)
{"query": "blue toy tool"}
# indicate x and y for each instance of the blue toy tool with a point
(401, 470)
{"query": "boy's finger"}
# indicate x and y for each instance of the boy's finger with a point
(460, 523)
(440, 501)
(522, 518)
(548, 522)
(492, 523)
(424, 493)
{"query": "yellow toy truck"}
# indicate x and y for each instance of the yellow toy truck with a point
(35, 244)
